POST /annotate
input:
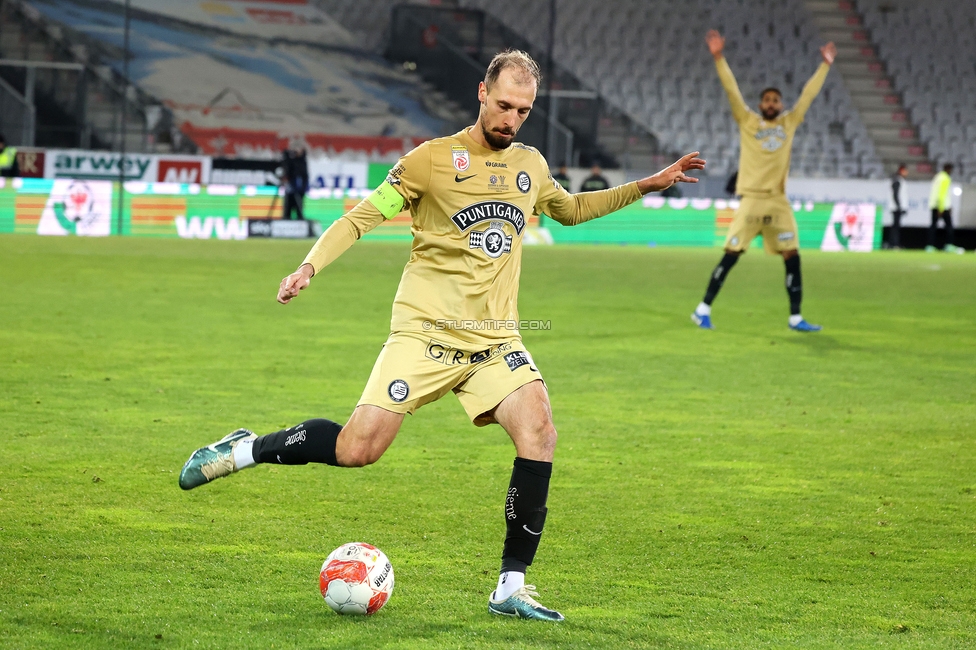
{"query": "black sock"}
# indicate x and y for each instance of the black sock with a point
(794, 284)
(525, 512)
(312, 441)
(718, 277)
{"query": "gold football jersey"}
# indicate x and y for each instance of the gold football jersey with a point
(469, 207)
(764, 153)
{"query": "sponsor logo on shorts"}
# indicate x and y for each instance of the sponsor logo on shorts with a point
(519, 358)
(785, 236)
(768, 219)
(449, 356)
(398, 390)
(734, 241)
(295, 437)
(523, 182)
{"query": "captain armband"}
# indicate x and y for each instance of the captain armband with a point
(387, 200)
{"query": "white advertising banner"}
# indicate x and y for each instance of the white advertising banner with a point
(337, 174)
(851, 228)
(830, 190)
(104, 165)
(77, 207)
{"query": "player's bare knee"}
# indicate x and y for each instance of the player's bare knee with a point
(549, 437)
(360, 455)
(543, 436)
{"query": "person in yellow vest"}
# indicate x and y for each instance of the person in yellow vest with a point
(940, 203)
(8, 159)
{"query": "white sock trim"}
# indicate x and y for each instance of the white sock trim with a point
(795, 320)
(703, 310)
(244, 454)
(508, 583)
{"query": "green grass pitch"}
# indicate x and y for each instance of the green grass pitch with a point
(744, 488)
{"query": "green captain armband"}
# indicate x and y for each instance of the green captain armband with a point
(387, 200)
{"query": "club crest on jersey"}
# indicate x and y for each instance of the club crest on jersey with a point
(523, 182)
(461, 158)
(487, 211)
(492, 241)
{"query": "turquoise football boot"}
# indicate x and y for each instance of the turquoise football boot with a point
(213, 461)
(521, 604)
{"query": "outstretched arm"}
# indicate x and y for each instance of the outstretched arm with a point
(406, 183)
(716, 45)
(812, 88)
(572, 209)
(342, 234)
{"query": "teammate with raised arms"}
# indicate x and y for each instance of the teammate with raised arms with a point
(764, 163)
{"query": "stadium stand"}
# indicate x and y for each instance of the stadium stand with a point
(929, 50)
(872, 91)
(369, 22)
(251, 85)
(653, 65)
(73, 109)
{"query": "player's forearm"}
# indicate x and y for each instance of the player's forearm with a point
(343, 233)
(334, 242)
(591, 205)
(725, 75)
(812, 88)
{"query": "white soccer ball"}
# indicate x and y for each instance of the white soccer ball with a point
(356, 578)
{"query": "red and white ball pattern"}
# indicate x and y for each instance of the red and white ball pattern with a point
(356, 578)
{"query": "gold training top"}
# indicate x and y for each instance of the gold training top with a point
(469, 206)
(764, 153)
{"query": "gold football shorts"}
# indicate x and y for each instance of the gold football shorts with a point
(772, 217)
(414, 369)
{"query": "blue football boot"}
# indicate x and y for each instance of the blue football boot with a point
(704, 322)
(804, 326)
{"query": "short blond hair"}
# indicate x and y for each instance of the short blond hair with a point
(525, 64)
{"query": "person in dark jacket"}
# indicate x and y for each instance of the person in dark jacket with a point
(562, 178)
(595, 181)
(295, 166)
(899, 202)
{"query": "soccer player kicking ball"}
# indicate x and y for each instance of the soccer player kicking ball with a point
(764, 162)
(469, 195)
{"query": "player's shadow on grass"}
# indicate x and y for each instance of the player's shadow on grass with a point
(819, 343)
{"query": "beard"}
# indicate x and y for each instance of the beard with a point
(498, 138)
(770, 114)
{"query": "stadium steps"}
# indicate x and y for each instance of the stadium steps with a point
(25, 35)
(881, 109)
